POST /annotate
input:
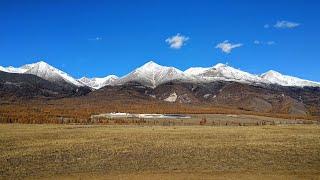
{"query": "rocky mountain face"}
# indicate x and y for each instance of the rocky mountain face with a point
(268, 98)
(25, 86)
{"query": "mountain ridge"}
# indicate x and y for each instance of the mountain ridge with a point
(97, 83)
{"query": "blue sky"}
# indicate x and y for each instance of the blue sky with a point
(97, 38)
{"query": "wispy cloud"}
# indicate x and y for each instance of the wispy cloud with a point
(227, 47)
(270, 43)
(257, 42)
(177, 41)
(266, 26)
(95, 39)
(286, 25)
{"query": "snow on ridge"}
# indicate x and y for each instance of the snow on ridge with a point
(97, 83)
(11, 69)
(195, 70)
(227, 73)
(3, 69)
(275, 77)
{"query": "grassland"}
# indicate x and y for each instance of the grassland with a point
(159, 152)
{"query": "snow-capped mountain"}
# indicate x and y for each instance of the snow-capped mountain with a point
(43, 70)
(284, 80)
(152, 74)
(224, 72)
(97, 83)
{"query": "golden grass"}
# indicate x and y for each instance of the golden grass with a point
(137, 152)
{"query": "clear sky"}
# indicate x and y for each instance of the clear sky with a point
(98, 38)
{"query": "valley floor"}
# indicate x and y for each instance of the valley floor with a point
(159, 152)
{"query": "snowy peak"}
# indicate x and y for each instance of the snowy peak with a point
(152, 74)
(275, 77)
(227, 73)
(43, 70)
(221, 65)
(271, 73)
(151, 65)
(97, 83)
(50, 73)
(38, 68)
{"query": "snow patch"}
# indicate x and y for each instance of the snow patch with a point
(142, 116)
(195, 70)
(207, 96)
(153, 96)
(172, 98)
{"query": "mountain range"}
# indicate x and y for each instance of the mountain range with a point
(219, 86)
(152, 74)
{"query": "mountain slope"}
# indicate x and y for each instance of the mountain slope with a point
(15, 85)
(272, 99)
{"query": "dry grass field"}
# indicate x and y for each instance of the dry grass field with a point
(159, 152)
